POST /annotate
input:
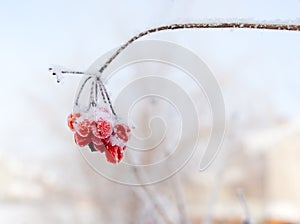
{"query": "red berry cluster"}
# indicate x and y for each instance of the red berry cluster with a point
(100, 133)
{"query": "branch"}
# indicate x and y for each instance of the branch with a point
(236, 25)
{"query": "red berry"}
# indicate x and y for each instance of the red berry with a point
(96, 141)
(100, 148)
(102, 129)
(81, 141)
(106, 141)
(122, 131)
(120, 154)
(72, 120)
(114, 153)
(110, 158)
(84, 128)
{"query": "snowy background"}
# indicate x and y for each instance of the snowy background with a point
(44, 180)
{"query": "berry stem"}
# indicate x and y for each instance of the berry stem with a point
(107, 97)
(101, 90)
(81, 89)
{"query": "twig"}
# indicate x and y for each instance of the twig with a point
(150, 195)
(242, 199)
(58, 71)
(291, 27)
(179, 200)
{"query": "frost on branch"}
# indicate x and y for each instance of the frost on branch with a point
(60, 72)
(56, 70)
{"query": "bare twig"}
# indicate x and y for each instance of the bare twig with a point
(241, 196)
(291, 27)
(151, 197)
(237, 25)
(179, 200)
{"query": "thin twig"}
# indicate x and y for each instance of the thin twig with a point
(243, 202)
(179, 200)
(237, 25)
(81, 89)
(150, 195)
(201, 26)
(107, 96)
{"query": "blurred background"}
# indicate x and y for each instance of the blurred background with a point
(44, 179)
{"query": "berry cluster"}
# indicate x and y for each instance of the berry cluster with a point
(100, 132)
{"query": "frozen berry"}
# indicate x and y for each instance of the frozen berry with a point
(122, 131)
(114, 153)
(100, 148)
(72, 120)
(84, 128)
(106, 141)
(81, 141)
(96, 140)
(102, 129)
